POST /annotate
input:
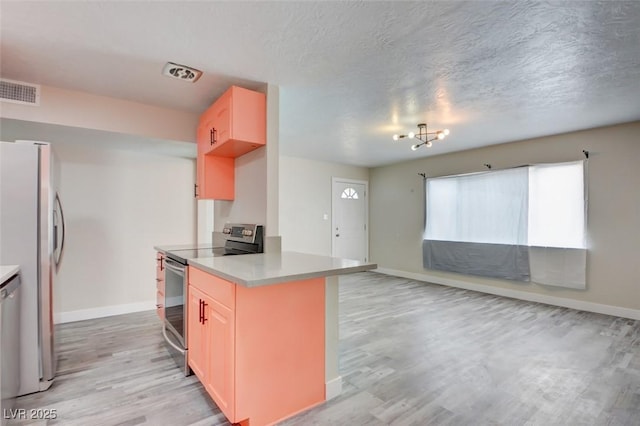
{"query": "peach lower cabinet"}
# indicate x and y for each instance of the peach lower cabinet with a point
(160, 288)
(256, 327)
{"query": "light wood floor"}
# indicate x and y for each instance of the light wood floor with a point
(410, 354)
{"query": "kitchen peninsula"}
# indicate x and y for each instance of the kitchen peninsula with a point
(262, 331)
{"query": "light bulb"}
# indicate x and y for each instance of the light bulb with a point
(414, 147)
(440, 135)
(428, 144)
(446, 132)
(396, 137)
(411, 135)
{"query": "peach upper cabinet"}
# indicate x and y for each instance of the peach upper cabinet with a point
(215, 178)
(235, 124)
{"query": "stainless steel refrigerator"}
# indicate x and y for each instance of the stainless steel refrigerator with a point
(32, 236)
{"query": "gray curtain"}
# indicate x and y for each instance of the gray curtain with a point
(488, 260)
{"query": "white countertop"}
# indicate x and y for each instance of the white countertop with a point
(7, 271)
(253, 270)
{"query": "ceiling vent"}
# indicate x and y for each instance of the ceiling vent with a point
(19, 92)
(181, 72)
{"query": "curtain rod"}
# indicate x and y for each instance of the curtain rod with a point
(490, 167)
(424, 176)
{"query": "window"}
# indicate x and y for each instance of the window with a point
(525, 224)
(557, 205)
(349, 193)
(480, 208)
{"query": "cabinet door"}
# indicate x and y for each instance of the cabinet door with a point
(221, 119)
(200, 166)
(217, 177)
(200, 181)
(197, 335)
(220, 380)
(217, 122)
(160, 305)
(237, 121)
(160, 285)
(160, 266)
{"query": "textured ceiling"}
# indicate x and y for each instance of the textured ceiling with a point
(350, 73)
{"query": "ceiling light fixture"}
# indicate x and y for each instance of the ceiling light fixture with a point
(424, 136)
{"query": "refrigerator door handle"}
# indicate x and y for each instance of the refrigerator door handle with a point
(55, 230)
(58, 259)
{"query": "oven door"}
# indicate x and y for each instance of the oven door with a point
(175, 295)
(174, 328)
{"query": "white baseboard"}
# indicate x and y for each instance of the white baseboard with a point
(104, 311)
(517, 294)
(333, 388)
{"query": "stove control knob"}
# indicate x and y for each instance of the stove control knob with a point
(226, 231)
(247, 232)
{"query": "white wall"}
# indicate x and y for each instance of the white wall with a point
(397, 214)
(85, 110)
(273, 164)
(118, 205)
(305, 197)
(205, 213)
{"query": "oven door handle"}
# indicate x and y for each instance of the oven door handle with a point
(177, 348)
(170, 264)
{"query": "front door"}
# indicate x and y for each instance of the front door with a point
(349, 222)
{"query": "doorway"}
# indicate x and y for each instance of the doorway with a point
(349, 219)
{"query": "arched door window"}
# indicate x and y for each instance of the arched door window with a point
(349, 193)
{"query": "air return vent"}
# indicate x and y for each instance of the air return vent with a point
(181, 72)
(19, 92)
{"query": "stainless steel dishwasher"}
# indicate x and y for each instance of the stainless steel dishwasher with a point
(9, 344)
